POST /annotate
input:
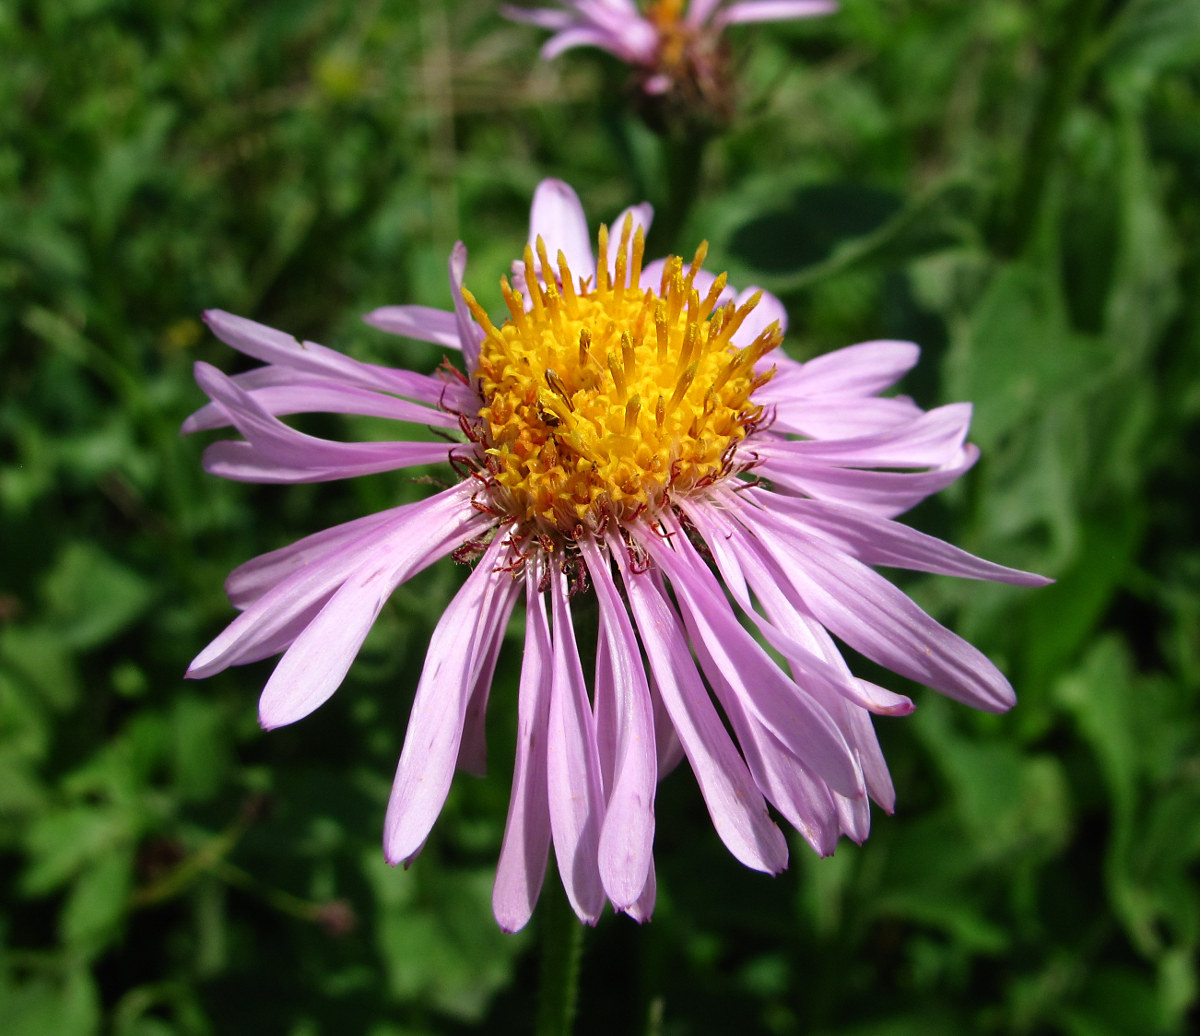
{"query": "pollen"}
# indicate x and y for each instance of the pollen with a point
(603, 401)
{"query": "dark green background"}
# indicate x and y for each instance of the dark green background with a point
(1014, 185)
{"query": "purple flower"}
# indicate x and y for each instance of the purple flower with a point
(633, 433)
(675, 51)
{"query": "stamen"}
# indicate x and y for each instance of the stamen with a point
(614, 367)
(660, 329)
(555, 383)
(585, 345)
(632, 408)
(531, 283)
(602, 264)
(481, 318)
(714, 293)
(629, 355)
(639, 249)
(684, 383)
(568, 286)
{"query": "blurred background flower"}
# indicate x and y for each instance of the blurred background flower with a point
(675, 47)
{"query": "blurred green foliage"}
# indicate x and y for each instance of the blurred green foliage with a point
(1016, 186)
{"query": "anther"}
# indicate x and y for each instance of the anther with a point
(681, 387)
(629, 355)
(531, 283)
(632, 408)
(661, 330)
(568, 285)
(560, 390)
(602, 265)
(614, 367)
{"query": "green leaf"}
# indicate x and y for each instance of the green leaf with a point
(97, 903)
(91, 596)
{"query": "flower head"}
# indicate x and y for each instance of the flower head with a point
(675, 46)
(631, 431)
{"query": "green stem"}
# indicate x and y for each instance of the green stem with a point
(1068, 66)
(562, 943)
(684, 161)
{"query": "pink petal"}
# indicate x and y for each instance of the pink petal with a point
(792, 716)
(271, 346)
(863, 609)
(472, 752)
(627, 837)
(886, 493)
(573, 769)
(739, 559)
(427, 530)
(332, 398)
(772, 11)
(296, 456)
(431, 743)
(470, 334)
(523, 854)
(422, 323)
(644, 907)
(734, 803)
(879, 541)
(932, 439)
(842, 417)
(557, 218)
(865, 369)
(317, 662)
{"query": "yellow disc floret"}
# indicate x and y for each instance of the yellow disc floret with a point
(604, 401)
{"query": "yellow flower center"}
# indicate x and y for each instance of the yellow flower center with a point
(605, 401)
(673, 33)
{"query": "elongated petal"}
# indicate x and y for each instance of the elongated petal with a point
(573, 768)
(699, 11)
(435, 727)
(738, 559)
(844, 417)
(865, 369)
(793, 717)
(557, 218)
(885, 493)
(293, 452)
(803, 799)
(271, 346)
(862, 608)
(427, 530)
(331, 398)
(523, 854)
(932, 439)
(242, 462)
(772, 11)
(735, 804)
(423, 323)
(472, 752)
(879, 541)
(249, 581)
(627, 837)
(644, 907)
(317, 662)
(470, 334)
